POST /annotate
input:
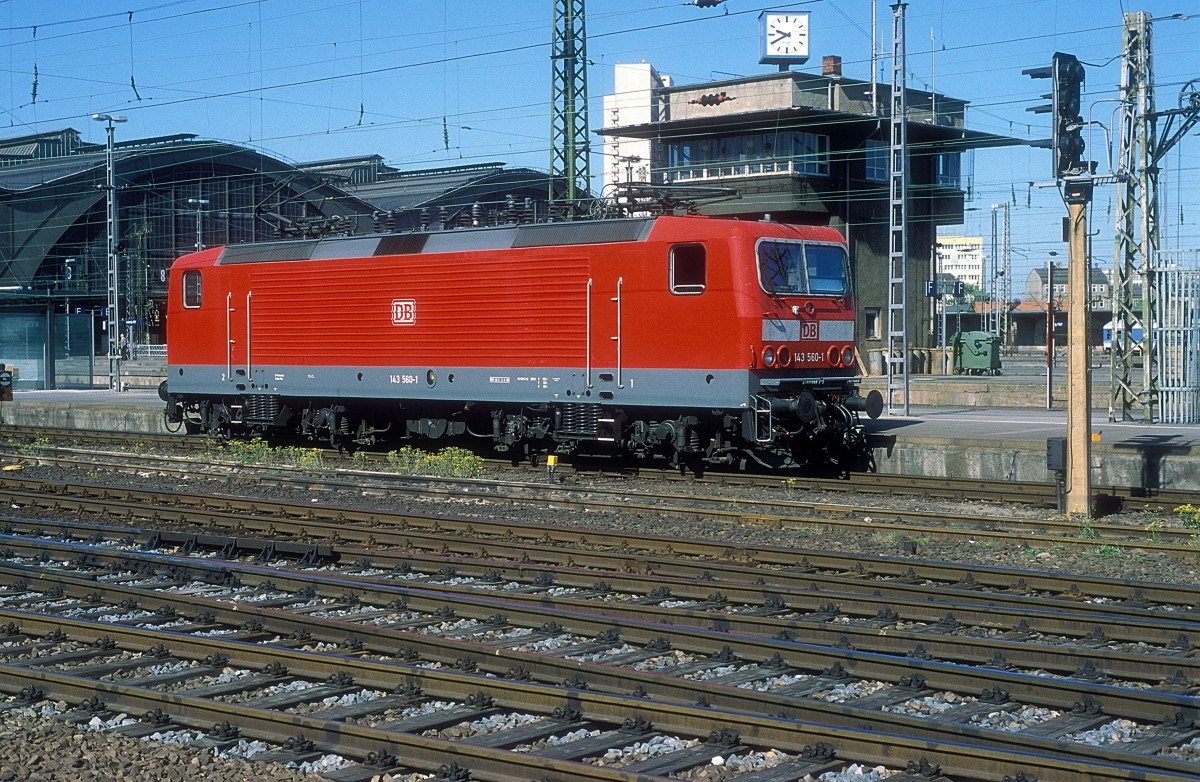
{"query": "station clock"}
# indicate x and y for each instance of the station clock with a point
(783, 38)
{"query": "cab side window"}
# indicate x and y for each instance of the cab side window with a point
(191, 288)
(689, 269)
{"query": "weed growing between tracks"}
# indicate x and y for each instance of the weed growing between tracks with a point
(1189, 516)
(259, 452)
(1154, 529)
(447, 463)
(36, 446)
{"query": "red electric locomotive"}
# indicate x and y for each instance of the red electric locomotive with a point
(697, 339)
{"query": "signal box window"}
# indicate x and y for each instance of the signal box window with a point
(689, 269)
(191, 289)
(877, 161)
(873, 317)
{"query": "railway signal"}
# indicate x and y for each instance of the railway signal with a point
(1066, 127)
(1068, 124)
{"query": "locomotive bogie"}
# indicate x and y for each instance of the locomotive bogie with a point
(677, 337)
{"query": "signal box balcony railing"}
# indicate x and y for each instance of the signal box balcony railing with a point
(769, 168)
(748, 168)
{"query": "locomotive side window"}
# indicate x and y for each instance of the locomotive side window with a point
(797, 269)
(689, 269)
(191, 288)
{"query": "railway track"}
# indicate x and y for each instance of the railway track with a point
(742, 629)
(907, 528)
(166, 603)
(396, 716)
(1040, 494)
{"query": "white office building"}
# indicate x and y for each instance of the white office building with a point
(961, 258)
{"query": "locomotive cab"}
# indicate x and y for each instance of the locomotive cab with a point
(806, 364)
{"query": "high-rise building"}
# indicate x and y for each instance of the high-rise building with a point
(961, 258)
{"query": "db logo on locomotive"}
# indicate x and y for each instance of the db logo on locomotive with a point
(404, 312)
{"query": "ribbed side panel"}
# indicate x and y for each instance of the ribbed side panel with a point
(464, 312)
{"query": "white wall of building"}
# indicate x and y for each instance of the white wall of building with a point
(633, 102)
(962, 258)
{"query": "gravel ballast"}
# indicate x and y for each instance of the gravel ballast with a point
(37, 746)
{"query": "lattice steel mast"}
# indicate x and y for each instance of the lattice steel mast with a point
(1137, 227)
(999, 317)
(1137, 234)
(569, 133)
(897, 352)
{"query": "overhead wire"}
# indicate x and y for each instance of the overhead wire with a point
(261, 89)
(132, 80)
(360, 74)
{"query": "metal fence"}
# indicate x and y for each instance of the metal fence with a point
(1177, 336)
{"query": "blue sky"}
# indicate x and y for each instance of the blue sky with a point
(441, 82)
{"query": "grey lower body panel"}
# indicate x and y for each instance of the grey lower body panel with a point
(728, 389)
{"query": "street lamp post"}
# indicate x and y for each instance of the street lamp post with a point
(199, 203)
(113, 323)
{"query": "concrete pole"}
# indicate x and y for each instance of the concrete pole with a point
(1079, 376)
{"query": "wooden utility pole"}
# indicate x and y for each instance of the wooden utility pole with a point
(1077, 191)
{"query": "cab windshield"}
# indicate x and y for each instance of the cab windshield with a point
(798, 269)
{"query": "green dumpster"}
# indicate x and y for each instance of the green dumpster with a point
(976, 353)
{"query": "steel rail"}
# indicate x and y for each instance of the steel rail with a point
(345, 525)
(1043, 494)
(873, 520)
(940, 610)
(964, 761)
(878, 724)
(784, 512)
(644, 629)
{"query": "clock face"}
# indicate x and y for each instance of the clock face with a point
(785, 37)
